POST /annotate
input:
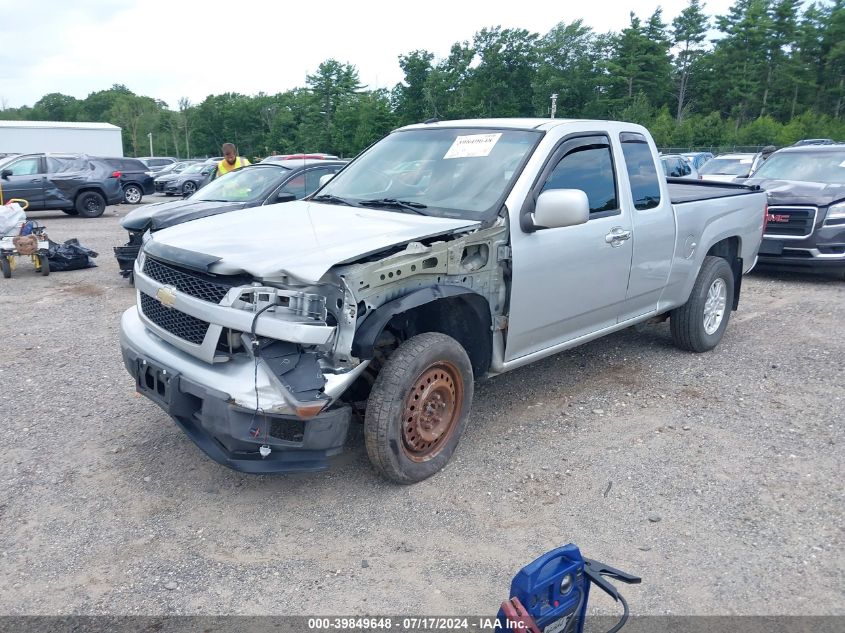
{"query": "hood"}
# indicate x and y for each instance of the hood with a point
(301, 239)
(163, 214)
(817, 194)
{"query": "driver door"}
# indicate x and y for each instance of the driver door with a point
(26, 181)
(569, 282)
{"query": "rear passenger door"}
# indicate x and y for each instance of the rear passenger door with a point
(25, 181)
(653, 220)
(569, 282)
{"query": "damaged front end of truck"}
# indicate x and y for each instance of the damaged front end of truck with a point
(263, 373)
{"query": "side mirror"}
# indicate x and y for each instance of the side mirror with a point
(325, 178)
(557, 208)
(285, 196)
(6, 173)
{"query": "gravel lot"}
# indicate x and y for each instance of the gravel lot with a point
(716, 477)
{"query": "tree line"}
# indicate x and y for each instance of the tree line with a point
(767, 72)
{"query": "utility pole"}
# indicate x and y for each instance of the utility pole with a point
(554, 104)
(150, 134)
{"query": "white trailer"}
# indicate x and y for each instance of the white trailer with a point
(25, 137)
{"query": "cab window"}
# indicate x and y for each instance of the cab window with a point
(590, 169)
(642, 173)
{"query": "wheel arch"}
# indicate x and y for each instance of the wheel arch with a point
(452, 310)
(729, 249)
(90, 188)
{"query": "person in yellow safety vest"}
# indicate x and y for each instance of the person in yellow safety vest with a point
(231, 160)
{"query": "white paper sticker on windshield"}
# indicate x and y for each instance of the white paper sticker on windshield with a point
(842, 164)
(745, 161)
(473, 145)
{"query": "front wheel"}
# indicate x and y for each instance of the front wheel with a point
(699, 324)
(132, 194)
(418, 408)
(44, 265)
(188, 188)
(6, 266)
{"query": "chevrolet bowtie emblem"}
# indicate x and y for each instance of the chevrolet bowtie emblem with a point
(166, 296)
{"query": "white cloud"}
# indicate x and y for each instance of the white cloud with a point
(188, 48)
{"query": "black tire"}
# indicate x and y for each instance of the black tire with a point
(44, 264)
(132, 194)
(430, 370)
(6, 266)
(687, 323)
(70, 211)
(90, 204)
(189, 188)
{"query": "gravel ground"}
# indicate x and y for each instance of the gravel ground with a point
(716, 477)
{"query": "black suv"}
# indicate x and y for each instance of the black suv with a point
(805, 227)
(77, 185)
(135, 178)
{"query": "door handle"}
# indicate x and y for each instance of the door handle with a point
(35, 180)
(616, 236)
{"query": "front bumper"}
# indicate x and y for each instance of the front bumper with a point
(822, 250)
(218, 419)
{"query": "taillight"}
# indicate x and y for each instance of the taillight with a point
(765, 217)
(115, 174)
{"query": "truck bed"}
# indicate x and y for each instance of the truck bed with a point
(683, 190)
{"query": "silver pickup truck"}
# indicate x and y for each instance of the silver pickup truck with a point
(446, 252)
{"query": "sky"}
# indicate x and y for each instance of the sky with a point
(187, 48)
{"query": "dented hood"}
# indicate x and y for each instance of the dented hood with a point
(301, 239)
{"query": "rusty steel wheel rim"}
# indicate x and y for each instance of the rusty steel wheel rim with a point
(431, 411)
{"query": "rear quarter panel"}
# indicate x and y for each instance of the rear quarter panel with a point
(703, 223)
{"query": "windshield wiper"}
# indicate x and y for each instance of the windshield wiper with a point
(405, 205)
(330, 199)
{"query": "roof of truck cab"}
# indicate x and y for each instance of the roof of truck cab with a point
(510, 124)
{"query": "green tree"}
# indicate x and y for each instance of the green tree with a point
(56, 107)
(501, 84)
(409, 99)
(689, 30)
(570, 65)
(640, 61)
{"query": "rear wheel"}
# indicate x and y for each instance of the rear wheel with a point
(132, 194)
(90, 204)
(418, 408)
(699, 324)
(44, 265)
(6, 267)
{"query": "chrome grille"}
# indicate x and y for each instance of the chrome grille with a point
(177, 323)
(790, 222)
(189, 283)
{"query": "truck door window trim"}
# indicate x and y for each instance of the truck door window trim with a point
(567, 145)
(635, 138)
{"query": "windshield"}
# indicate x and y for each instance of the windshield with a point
(826, 167)
(243, 185)
(727, 166)
(450, 172)
(194, 169)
